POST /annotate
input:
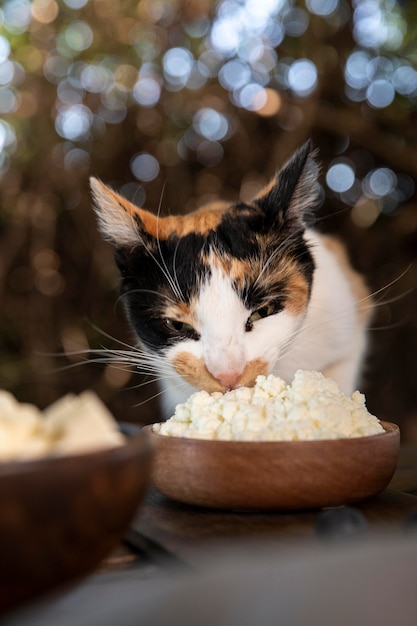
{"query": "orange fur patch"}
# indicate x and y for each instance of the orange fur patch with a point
(179, 310)
(201, 221)
(254, 368)
(230, 266)
(296, 286)
(182, 312)
(298, 291)
(195, 372)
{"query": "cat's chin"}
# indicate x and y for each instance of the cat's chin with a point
(194, 371)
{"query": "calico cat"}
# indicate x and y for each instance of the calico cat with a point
(232, 291)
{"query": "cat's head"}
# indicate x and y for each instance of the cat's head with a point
(219, 292)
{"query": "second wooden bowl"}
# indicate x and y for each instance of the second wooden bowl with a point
(291, 475)
(59, 516)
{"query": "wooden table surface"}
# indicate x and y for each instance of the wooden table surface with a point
(168, 540)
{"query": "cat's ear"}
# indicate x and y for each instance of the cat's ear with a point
(293, 194)
(120, 221)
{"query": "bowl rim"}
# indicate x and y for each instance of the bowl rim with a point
(390, 430)
(134, 437)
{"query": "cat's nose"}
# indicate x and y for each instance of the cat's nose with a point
(229, 380)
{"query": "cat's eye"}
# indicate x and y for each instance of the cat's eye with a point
(181, 328)
(264, 311)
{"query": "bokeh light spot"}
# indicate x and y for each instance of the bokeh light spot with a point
(7, 135)
(356, 67)
(379, 182)
(225, 35)
(211, 124)
(322, 7)
(78, 36)
(404, 80)
(144, 166)
(74, 122)
(234, 74)
(76, 4)
(44, 11)
(147, 91)
(251, 97)
(340, 177)
(370, 29)
(272, 104)
(17, 15)
(95, 78)
(302, 77)
(380, 93)
(4, 49)
(296, 22)
(76, 158)
(364, 214)
(6, 72)
(177, 64)
(9, 101)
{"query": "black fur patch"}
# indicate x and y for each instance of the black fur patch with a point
(152, 280)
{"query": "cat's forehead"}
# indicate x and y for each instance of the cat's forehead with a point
(200, 222)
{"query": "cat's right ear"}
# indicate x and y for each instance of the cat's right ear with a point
(121, 222)
(118, 219)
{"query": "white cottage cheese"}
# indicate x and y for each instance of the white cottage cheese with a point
(312, 407)
(72, 425)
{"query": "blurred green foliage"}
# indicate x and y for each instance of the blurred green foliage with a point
(176, 103)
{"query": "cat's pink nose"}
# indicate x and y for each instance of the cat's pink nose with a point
(229, 380)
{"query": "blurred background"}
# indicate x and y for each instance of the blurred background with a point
(180, 102)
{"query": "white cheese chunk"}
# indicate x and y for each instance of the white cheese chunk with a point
(72, 425)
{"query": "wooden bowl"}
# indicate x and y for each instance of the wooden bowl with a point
(59, 517)
(274, 475)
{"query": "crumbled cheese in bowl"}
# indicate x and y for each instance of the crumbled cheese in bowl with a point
(311, 407)
(72, 425)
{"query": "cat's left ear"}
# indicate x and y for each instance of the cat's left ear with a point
(292, 195)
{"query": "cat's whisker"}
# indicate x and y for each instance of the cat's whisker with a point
(132, 356)
(160, 393)
(165, 272)
(133, 352)
(395, 280)
(267, 263)
(108, 336)
(323, 218)
(271, 257)
(126, 294)
(172, 280)
(368, 301)
(145, 365)
(157, 376)
(174, 265)
(150, 381)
